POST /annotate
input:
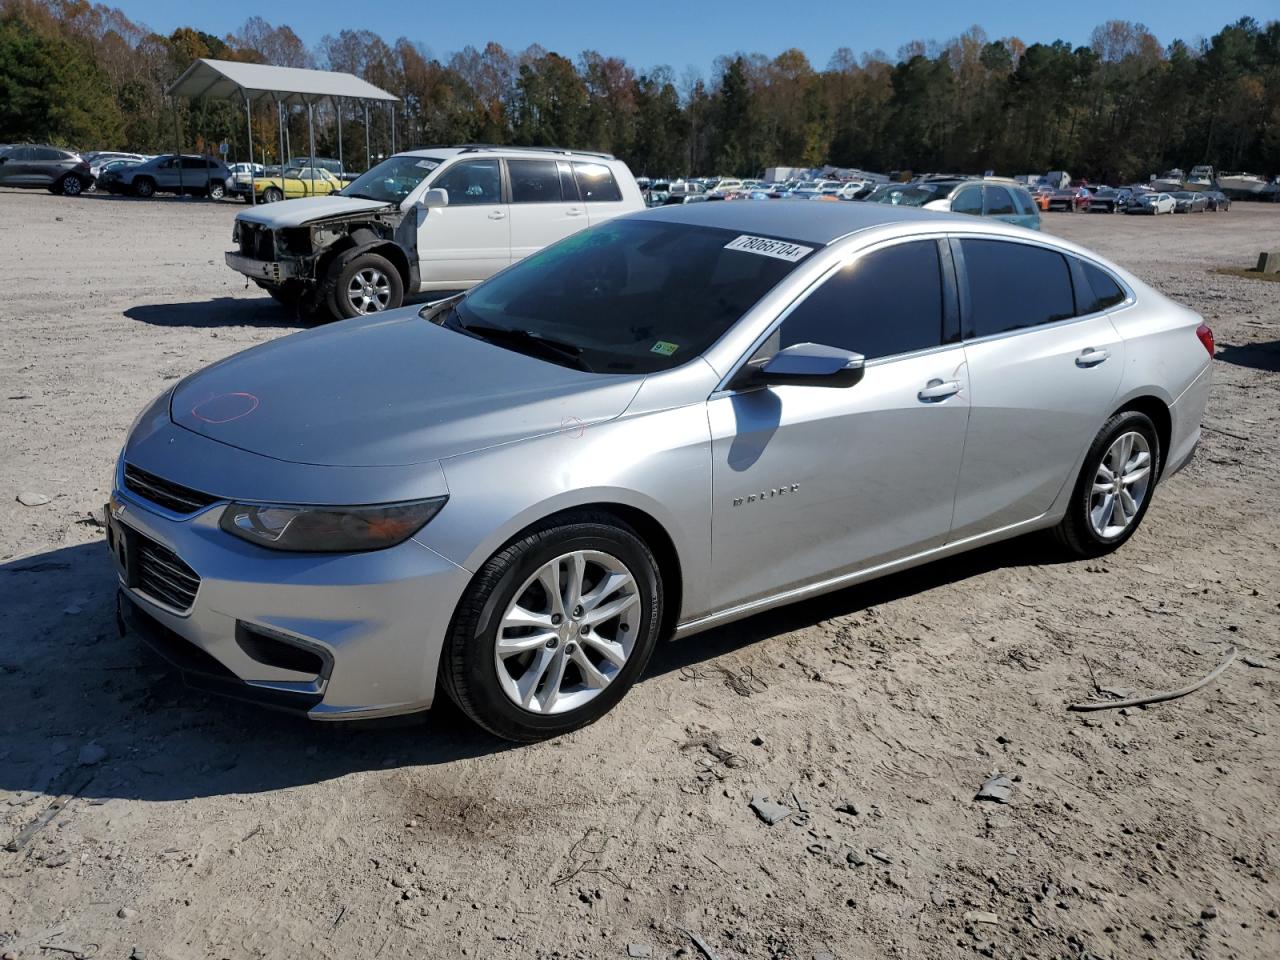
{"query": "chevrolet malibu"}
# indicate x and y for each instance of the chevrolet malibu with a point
(662, 424)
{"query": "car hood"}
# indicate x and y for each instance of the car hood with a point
(388, 391)
(295, 213)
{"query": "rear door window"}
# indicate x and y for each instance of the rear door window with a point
(596, 183)
(1101, 292)
(997, 201)
(884, 303)
(535, 181)
(1013, 286)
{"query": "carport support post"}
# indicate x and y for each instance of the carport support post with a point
(337, 108)
(177, 145)
(391, 108)
(248, 112)
(280, 126)
(368, 158)
(311, 140)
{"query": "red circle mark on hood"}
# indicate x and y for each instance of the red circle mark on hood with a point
(225, 407)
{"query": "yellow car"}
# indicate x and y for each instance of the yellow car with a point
(297, 182)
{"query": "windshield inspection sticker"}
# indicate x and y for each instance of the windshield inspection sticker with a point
(427, 164)
(664, 347)
(766, 247)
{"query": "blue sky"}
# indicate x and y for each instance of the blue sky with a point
(679, 35)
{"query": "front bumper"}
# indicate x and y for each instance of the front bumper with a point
(272, 271)
(368, 627)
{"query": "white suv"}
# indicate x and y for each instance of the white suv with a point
(433, 219)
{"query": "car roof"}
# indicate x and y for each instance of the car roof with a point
(797, 221)
(444, 153)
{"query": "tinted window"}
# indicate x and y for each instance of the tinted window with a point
(22, 153)
(885, 303)
(1014, 285)
(194, 163)
(1026, 206)
(968, 200)
(534, 181)
(596, 182)
(999, 203)
(628, 296)
(475, 181)
(1103, 291)
(48, 153)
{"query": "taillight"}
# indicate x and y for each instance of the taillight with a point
(1206, 337)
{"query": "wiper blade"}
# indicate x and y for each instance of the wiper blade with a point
(548, 347)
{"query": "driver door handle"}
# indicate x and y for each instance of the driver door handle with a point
(497, 215)
(936, 390)
(1091, 357)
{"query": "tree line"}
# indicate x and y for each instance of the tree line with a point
(1117, 109)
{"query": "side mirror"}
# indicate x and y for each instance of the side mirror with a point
(437, 197)
(811, 365)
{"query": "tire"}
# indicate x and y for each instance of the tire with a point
(286, 294)
(71, 185)
(365, 284)
(144, 187)
(217, 191)
(1089, 527)
(471, 664)
(272, 195)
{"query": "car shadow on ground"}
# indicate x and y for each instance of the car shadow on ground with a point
(217, 312)
(84, 704)
(1259, 356)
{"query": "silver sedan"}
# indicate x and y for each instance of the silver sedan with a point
(660, 425)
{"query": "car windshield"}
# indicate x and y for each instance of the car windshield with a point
(628, 296)
(911, 194)
(393, 179)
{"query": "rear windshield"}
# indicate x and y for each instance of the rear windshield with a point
(393, 179)
(631, 296)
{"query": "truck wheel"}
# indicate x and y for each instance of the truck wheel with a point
(365, 284)
(144, 187)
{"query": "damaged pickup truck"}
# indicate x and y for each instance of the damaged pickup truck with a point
(442, 218)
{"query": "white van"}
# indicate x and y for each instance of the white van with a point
(432, 219)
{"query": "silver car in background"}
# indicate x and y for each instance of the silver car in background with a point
(665, 423)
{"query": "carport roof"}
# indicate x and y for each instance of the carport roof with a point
(230, 79)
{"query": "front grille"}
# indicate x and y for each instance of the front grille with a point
(162, 575)
(171, 496)
(257, 242)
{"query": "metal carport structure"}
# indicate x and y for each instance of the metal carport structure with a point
(286, 86)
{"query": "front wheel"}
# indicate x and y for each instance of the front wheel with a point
(272, 195)
(71, 185)
(217, 191)
(365, 284)
(554, 629)
(1114, 488)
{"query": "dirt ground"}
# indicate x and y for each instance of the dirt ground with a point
(199, 828)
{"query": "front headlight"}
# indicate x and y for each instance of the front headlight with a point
(328, 529)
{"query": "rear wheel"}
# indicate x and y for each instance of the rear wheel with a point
(144, 187)
(554, 629)
(1114, 487)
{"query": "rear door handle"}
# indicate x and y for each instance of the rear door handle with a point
(936, 390)
(1091, 357)
(497, 215)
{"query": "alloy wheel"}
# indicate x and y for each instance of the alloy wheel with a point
(71, 186)
(369, 291)
(568, 632)
(1120, 485)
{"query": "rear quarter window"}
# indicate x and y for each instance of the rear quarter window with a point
(1026, 206)
(1013, 286)
(596, 183)
(1101, 292)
